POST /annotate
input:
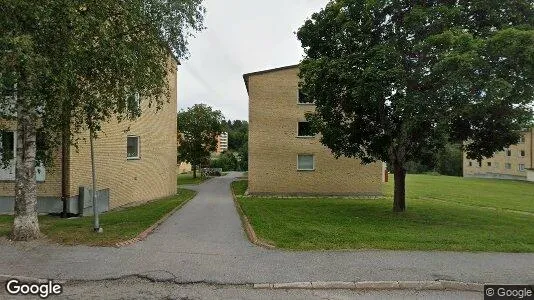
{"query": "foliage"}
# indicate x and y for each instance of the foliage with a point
(198, 128)
(227, 161)
(396, 81)
(448, 161)
(238, 141)
(81, 62)
(237, 134)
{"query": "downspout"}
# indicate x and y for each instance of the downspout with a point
(532, 148)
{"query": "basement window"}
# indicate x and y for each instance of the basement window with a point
(132, 147)
(305, 162)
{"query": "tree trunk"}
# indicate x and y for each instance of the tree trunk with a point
(399, 194)
(194, 171)
(25, 224)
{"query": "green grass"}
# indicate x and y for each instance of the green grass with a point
(187, 178)
(119, 225)
(341, 223)
(503, 194)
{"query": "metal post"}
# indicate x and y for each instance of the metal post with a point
(96, 224)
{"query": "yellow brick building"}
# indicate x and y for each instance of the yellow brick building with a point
(135, 162)
(283, 158)
(511, 163)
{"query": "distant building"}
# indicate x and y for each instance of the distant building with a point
(515, 162)
(284, 157)
(222, 142)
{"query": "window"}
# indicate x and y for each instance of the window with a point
(522, 140)
(522, 153)
(7, 155)
(305, 129)
(489, 163)
(508, 152)
(304, 99)
(497, 165)
(8, 143)
(305, 162)
(132, 147)
(470, 163)
(508, 166)
(134, 102)
(521, 168)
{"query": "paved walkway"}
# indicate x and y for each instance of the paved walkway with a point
(204, 242)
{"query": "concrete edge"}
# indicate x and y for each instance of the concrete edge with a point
(440, 285)
(143, 235)
(249, 230)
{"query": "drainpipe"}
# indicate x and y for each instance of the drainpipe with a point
(532, 148)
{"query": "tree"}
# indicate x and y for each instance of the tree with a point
(396, 80)
(198, 128)
(71, 65)
(237, 134)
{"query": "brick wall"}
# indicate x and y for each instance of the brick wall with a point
(51, 187)
(273, 146)
(150, 177)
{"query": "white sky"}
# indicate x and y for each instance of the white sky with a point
(241, 37)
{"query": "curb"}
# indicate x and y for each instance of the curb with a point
(251, 234)
(143, 235)
(440, 285)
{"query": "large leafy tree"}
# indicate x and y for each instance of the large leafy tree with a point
(67, 66)
(198, 128)
(395, 81)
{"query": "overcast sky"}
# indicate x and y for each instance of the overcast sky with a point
(242, 36)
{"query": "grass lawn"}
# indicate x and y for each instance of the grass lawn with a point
(187, 178)
(505, 194)
(119, 225)
(340, 223)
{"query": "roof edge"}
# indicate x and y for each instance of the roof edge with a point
(247, 75)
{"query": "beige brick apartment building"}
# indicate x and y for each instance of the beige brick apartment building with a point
(283, 157)
(135, 162)
(515, 162)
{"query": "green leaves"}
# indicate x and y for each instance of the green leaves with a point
(394, 80)
(80, 61)
(198, 128)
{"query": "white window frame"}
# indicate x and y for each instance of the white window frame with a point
(521, 167)
(313, 162)
(138, 147)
